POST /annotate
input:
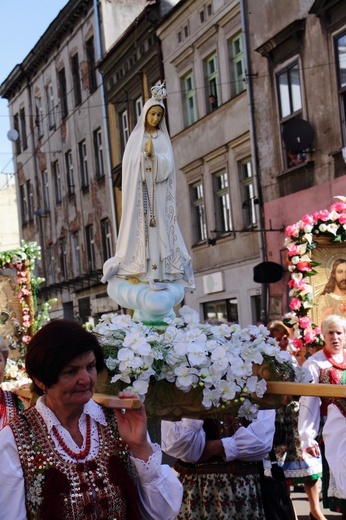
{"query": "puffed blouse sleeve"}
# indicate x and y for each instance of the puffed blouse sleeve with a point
(12, 494)
(309, 410)
(186, 439)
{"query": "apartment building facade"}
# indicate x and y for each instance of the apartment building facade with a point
(298, 75)
(64, 184)
(204, 61)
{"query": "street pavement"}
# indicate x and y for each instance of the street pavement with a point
(301, 506)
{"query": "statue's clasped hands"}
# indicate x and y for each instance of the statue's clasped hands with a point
(149, 148)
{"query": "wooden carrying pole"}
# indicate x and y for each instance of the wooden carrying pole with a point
(109, 401)
(310, 389)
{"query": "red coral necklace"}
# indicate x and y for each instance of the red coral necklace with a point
(82, 454)
(331, 360)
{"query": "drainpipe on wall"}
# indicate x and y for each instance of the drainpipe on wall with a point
(105, 120)
(254, 152)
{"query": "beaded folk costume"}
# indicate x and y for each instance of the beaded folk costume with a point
(324, 370)
(334, 375)
(56, 488)
(9, 407)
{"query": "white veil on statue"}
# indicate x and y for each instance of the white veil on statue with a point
(136, 241)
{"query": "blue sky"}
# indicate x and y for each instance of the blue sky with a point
(23, 22)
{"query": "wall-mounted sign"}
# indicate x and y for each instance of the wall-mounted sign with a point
(213, 283)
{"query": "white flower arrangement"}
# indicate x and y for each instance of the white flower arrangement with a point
(217, 358)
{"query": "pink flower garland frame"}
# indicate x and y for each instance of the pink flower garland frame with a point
(301, 240)
(22, 261)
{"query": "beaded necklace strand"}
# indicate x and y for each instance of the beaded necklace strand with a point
(331, 360)
(82, 454)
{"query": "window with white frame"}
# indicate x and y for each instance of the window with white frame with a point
(138, 107)
(62, 259)
(69, 173)
(289, 89)
(212, 80)
(57, 181)
(340, 50)
(39, 116)
(83, 159)
(189, 94)
(199, 224)
(51, 106)
(45, 190)
(248, 194)
(223, 217)
(106, 238)
(125, 127)
(290, 105)
(89, 230)
(75, 254)
(238, 78)
(98, 151)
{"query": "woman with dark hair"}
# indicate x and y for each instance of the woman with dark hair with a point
(67, 456)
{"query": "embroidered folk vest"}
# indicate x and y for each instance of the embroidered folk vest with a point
(334, 376)
(57, 489)
(9, 407)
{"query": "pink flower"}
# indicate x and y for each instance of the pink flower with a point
(292, 250)
(322, 215)
(304, 266)
(298, 343)
(26, 339)
(309, 336)
(297, 283)
(338, 206)
(295, 303)
(308, 220)
(342, 218)
(304, 322)
(292, 231)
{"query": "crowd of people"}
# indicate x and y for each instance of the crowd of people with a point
(67, 456)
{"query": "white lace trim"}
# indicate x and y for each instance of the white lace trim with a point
(147, 470)
(194, 424)
(230, 448)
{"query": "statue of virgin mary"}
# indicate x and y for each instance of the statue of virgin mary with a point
(150, 246)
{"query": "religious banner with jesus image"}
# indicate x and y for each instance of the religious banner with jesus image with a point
(329, 282)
